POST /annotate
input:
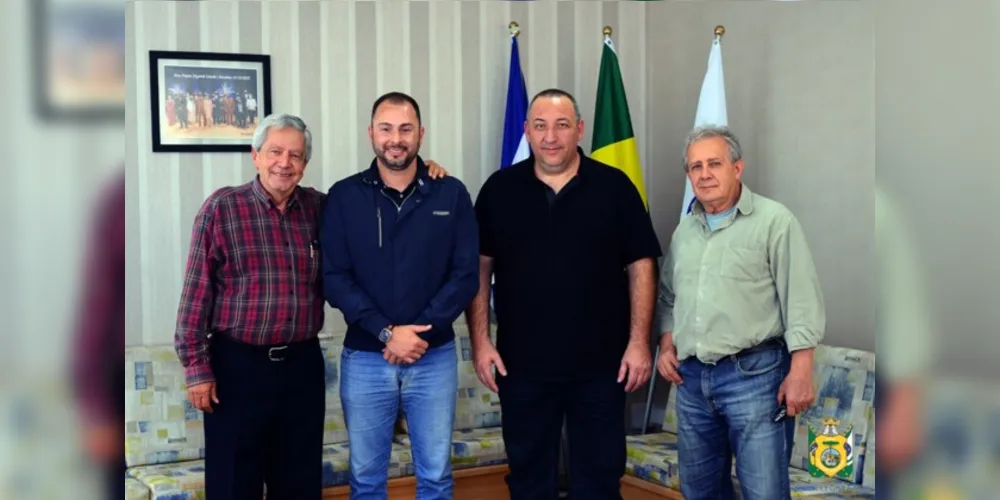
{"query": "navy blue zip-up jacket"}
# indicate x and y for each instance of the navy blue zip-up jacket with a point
(413, 265)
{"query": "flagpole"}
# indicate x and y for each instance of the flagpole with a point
(719, 32)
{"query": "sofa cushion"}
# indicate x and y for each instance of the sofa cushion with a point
(175, 481)
(845, 382)
(337, 465)
(478, 447)
(653, 457)
(186, 480)
(334, 430)
(804, 485)
(472, 447)
(135, 490)
(160, 425)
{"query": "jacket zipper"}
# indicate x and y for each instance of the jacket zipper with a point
(399, 207)
(378, 212)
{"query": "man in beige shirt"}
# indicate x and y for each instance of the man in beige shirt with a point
(740, 312)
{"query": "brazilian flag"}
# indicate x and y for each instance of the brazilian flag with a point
(614, 141)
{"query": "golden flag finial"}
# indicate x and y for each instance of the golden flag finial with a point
(514, 28)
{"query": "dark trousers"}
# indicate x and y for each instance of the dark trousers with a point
(533, 414)
(267, 427)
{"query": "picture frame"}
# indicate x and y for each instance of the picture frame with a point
(203, 102)
(78, 60)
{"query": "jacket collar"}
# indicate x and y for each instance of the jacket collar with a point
(371, 177)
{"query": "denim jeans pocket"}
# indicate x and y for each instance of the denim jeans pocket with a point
(347, 353)
(758, 363)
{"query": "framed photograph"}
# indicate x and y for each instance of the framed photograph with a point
(79, 59)
(207, 102)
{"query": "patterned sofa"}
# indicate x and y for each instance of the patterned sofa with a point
(164, 435)
(845, 381)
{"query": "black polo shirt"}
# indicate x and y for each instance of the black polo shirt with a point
(560, 263)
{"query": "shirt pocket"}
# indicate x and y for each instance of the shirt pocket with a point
(313, 263)
(744, 264)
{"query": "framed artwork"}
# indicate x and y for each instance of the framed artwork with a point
(206, 101)
(79, 59)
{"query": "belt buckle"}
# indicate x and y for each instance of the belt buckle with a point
(271, 353)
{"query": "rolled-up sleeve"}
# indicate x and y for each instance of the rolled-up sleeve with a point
(798, 287)
(664, 321)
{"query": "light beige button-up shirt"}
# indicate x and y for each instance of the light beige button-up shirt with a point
(749, 280)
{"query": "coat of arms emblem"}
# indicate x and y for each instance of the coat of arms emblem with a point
(831, 453)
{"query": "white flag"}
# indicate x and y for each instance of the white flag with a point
(711, 106)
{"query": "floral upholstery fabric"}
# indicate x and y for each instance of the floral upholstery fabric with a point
(135, 490)
(476, 406)
(334, 430)
(845, 391)
(804, 485)
(472, 447)
(868, 479)
(337, 464)
(653, 457)
(175, 481)
(160, 425)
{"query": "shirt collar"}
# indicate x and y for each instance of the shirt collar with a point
(744, 205)
(258, 190)
(586, 169)
(371, 176)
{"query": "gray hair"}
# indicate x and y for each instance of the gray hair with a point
(712, 131)
(279, 122)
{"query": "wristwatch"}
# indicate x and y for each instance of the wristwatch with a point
(385, 334)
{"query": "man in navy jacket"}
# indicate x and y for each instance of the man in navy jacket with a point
(400, 260)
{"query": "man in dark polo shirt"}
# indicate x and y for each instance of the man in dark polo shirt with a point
(572, 250)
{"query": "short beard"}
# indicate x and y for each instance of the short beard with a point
(396, 165)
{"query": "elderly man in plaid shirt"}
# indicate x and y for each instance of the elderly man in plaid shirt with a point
(247, 325)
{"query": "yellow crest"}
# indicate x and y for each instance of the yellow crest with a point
(830, 452)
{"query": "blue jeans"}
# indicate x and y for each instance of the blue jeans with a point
(726, 409)
(371, 391)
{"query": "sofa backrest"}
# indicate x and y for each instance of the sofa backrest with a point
(162, 427)
(868, 480)
(476, 406)
(845, 392)
(334, 429)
